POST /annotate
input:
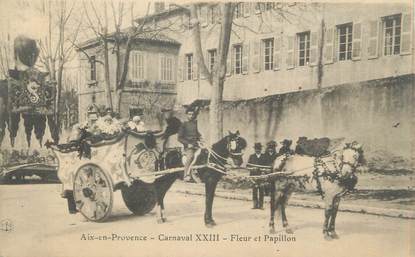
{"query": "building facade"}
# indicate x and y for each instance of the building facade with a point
(151, 79)
(296, 69)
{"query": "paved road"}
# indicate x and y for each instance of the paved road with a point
(42, 227)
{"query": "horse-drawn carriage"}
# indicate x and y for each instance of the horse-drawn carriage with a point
(93, 168)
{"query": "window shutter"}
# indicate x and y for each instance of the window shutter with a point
(229, 61)
(180, 68)
(406, 34)
(205, 54)
(218, 14)
(372, 46)
(277, 52)
(257, 8)
(357, 41)
(262, 7)
(195, 71)
(313, 48)
(256, 48)
(245, 58)
(131, 65)
(328, 46)
(184, 67)
(145, 66)
(290, 52)
(203, 16)
(160, 65)
(209, 15)
(247, 9)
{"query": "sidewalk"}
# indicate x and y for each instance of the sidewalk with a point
(349, 204)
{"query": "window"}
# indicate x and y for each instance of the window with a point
(189, 66)
(93, 68)
(166, 68)
(239, 10)
(237, 59)
(269, 5)
(303, 48)
(258, 7)
(136, 66)
(212, 15)
(268, 46)
(392, 35)
(344, 37)
(211, 59)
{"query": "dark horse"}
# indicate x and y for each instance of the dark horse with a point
(227, 150)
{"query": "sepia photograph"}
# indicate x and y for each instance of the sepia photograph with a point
(207, 128)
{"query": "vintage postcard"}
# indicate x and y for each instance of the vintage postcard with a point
(190, 128)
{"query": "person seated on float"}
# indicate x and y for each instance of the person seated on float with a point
(136, 122)
(190, 137)
(108, 124)
(170, 135)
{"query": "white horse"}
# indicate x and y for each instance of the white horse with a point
(332, 175)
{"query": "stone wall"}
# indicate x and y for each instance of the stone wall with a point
(380, 114)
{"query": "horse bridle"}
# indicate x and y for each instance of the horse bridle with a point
(233, 154)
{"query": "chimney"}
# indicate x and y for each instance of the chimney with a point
(159, 7)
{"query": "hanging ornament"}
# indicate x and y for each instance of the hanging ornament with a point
(29, 123)
(2, 129)
(54, 130)
(13, 125)
(40, 125)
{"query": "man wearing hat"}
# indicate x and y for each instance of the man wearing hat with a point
(270, 153)
(172, 128)
(189, 136)
(286, 147)
(255, 159)
(136, 122)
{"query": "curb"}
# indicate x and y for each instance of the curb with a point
(395, 213)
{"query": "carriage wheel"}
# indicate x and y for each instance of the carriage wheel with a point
(93, 193)
(140, 197)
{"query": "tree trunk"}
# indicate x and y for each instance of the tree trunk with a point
(107, 74)
(58, 95)
(216, 111)
(118, 100)
(216, 106)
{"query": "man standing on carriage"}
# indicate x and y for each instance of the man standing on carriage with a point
(189, 136)
(255, 160)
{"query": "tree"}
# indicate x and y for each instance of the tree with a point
(56, 49)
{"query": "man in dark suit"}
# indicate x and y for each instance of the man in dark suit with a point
(269, 157)
(257, 190)
(270, 153)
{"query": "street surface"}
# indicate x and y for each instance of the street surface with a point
(41, 226)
